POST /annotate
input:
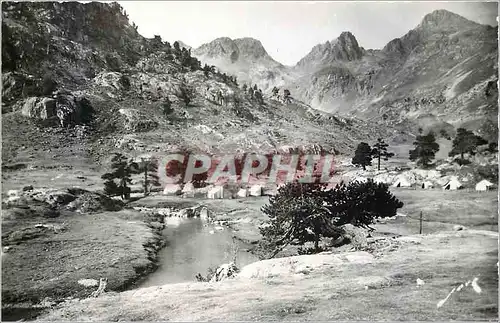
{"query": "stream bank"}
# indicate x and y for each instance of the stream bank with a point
(44, 259)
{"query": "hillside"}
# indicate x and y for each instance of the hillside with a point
(114, 84)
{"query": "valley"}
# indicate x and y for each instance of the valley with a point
(88, 236)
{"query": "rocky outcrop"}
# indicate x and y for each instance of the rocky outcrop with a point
(135, 121)
(39, 108)
(305, 264)
(50, 201)
(69, 110)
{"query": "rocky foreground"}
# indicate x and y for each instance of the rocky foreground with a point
(407, 280)
(59, 243)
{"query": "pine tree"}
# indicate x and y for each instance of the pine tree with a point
(177, 48)
(380, 151)
(150, 170)
(167, 107)
(362, 155)
(244, 87)
(465, 142)
(308, 212)
(122, 170)
(286, 95)
(295, 213)
(425, 149)
(275, 91)
(258, 97)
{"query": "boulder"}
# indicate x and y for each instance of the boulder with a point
(39, 108)
(28, 188)
(72, 110)
(224, 272)
(88, 282)
(204, 214)
(356, 236)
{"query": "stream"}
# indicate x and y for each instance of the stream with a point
(192, 247)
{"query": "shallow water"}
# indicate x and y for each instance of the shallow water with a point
(192, 247)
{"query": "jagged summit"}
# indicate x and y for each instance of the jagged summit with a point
(225, 47)
(444, 19)
(220, 47)
(343, 48)
(250, 46)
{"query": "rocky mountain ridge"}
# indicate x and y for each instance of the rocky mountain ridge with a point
(444, 71)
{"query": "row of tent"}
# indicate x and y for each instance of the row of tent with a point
(452, 184)
(212, 192)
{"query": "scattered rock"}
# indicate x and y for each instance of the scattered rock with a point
(88, 282)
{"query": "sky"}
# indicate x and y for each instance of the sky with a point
(288, 30)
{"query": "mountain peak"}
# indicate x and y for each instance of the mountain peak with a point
(250, 47)
(344, 48)
(444, 19)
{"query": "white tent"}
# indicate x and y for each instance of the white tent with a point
(172, 189)
(453, 184)
(360, 179)
(402, 181)
(427, 185)
(243, 192)
(256, 190)
(188, 190)
(483, 185)
(384, 178)
(216, 193)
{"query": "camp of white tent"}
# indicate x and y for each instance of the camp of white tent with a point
(484, 185)
(452, 185)
(427, 185)
(402, 181)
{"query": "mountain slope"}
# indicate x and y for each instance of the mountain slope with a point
(124, 83)
(443, 72)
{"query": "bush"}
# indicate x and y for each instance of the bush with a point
(167, 107)
(186, 94)
(301, 213)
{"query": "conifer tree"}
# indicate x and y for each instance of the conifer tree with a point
(362, 155)
(121, 170)
(380, 151)
(425, 149)
(465, 142)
